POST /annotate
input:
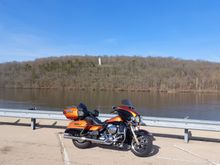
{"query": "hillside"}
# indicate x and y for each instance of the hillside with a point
(115, 73)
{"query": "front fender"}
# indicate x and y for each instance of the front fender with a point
(142, 132)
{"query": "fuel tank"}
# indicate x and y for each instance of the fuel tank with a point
(114, 119)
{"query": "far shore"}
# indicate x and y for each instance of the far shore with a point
(120, 90)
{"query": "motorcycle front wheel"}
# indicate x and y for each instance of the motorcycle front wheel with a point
(144, 148)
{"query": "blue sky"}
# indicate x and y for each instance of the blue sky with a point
(187, 29)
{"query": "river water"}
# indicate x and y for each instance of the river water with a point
(178, 105)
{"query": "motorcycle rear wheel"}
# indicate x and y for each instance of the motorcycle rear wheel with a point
(144, 148)
(81, 144)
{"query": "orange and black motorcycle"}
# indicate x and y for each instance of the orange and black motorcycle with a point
(121, 130)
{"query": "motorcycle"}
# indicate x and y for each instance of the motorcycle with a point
(119, 131)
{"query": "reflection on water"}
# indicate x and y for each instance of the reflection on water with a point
(197, 106)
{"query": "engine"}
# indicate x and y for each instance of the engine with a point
(115, 133)
(112, 129)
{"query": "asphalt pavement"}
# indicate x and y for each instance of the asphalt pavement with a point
(20, 145)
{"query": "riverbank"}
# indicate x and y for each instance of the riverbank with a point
(117, 73)
(115, 90)
(21, 145)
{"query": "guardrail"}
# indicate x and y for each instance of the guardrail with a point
(186, 124)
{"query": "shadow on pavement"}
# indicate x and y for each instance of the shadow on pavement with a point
(191, 138)
(38, 126)
(154, 151)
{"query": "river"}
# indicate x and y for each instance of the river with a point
(178, 105)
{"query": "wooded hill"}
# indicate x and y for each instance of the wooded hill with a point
(115, 73)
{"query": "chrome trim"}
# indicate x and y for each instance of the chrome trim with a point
(135, 137)
(68, 136)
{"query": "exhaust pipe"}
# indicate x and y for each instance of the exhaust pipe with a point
(68, 136)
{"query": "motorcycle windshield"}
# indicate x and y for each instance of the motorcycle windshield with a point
(127, 103)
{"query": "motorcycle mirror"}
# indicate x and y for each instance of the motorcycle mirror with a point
(114, 107)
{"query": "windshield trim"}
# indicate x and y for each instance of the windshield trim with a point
(127, 102)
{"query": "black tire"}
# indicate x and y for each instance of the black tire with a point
(145, 148)
(81, 144)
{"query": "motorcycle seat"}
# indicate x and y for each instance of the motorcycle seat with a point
(94, 121)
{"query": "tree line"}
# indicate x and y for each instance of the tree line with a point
(115, 73)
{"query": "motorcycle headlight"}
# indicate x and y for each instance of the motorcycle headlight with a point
(136, 119)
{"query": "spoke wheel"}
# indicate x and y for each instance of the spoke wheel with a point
(144, 148)
(81, 144)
